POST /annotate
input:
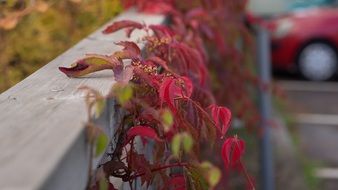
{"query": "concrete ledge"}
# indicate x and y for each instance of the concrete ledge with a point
(42, 139)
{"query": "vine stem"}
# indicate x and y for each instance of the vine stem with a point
(158, 169)
(199, 107)
(248, 178)
(91, 156)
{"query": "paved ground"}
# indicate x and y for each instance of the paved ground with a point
(316, 108)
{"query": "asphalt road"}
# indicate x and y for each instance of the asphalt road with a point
(315, 105)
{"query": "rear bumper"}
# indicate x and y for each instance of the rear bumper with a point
(283, 54)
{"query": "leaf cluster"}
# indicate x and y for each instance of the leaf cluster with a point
(165, 91)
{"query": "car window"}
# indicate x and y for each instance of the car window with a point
(267, 7)
(303, 4)
(275, 7)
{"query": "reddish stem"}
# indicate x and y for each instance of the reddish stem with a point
(160, 168)
(199, 107)
(248, 178)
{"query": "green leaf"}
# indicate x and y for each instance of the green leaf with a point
(214, 176)
(167, 120)
(124, 94)
(211, 173)
(205, 165)
(181, 139)
(176, 144)
(103, 184)
(199, 181)
(99, 107)
(188, 142)
(101, 144)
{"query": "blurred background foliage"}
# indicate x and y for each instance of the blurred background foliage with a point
(33, 32)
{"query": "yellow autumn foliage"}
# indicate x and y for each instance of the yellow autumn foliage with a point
(33, 32)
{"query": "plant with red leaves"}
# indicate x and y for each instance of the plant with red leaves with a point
(221, 116)
(166, 95)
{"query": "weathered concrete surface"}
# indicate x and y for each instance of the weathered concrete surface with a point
(315, 105)
(289, 169)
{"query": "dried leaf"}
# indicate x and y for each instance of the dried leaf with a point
(8, 23)
(90, 64)
(130, 47)
(94, 101)
(121, 25)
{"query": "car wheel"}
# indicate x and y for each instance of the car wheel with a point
(317, 61)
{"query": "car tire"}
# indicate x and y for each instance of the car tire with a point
(318, 61)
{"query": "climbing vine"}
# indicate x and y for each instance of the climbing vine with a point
(170, 93)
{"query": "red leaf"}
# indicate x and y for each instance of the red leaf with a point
(220, 42)
(127, 3)
(130, 51)
(197, 12)
(232, 151)
(221, 117)
(153, 6)
(148, 79)
(80, 66)
(174, 88)
(122, 24)
(129, 31)
(156, 7)
(189, 60)
(203, 73)
(162, 31)
(140, 164)
(111, 187)
(125, 75)
(166, 95)
(159, 62)
(187, 86)
(176, 182)
(207, 31)
(142, 131)
(130, 46)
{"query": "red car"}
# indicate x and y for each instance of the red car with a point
(306, 41)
